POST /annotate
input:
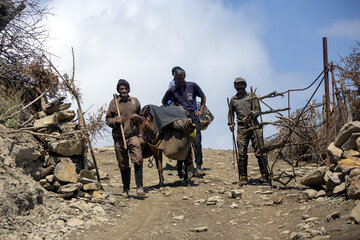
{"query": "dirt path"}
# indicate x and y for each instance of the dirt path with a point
(207, 208)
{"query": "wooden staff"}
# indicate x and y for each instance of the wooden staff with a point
(121, 125)
(233, 138)
(260, 141)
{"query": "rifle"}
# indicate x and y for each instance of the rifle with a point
(121, 125)
(235, 152)
(260, 143)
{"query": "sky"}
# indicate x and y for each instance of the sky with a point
(275, 45)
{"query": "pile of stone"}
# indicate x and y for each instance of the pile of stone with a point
(55, 153)
(343, 176)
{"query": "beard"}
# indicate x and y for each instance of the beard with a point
(240, 90)
(124, 95)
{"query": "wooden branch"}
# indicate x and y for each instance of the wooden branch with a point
(4, 21)
(274, 111)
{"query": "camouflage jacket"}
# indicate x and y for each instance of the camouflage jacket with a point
(242, 106)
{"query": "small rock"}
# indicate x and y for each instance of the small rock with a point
(74, 222)
(199, 229)
(180, 217)
(234, 205)
(332, 216)
(278, 200)
(233, 222)
(235, 193)
(320, 193)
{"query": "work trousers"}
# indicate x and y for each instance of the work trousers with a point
(243, 143)
(133, 149)
(197, 140)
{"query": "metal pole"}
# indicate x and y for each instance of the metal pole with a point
(327, 98)
(333, 96)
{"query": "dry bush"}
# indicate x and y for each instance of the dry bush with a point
(348, 71)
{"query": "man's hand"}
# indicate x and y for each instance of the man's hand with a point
(198, 113)
(136, 118)
(246, 120)
(119, 119)
(231, 127)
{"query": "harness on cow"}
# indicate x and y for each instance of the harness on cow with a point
(152, 142)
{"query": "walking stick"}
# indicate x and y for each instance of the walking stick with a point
(121, 125)
(233, 139)
(268, 176)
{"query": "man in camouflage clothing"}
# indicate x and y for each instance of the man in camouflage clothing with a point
(247, 110)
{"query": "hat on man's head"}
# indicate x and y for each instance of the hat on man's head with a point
(240, 80)
(122, 82)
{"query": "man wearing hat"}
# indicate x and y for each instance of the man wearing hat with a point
(247, 109)
(129, 109)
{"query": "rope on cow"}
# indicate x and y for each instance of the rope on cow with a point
(150, 163)
(147, 138)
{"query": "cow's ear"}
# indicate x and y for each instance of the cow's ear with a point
(146, 112)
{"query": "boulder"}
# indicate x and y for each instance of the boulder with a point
(92, 186)
(87, 174)
(339, 189)
(66, 115)
(358, 144)
(350, 143)
(67, 126)
(66, 147)
(314, 178)
(333, 179)
(334, 153)
(70, 188)
(345, 132)
(355, 213)
(43, 172)
(347, 165)
(354, 154)
(47, 121)
(56, 108)
(353, 184)
(65, 171)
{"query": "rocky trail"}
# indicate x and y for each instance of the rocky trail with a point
(214, 207)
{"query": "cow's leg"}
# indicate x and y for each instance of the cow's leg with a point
(158, 159)
(180, 170)
(186, 170)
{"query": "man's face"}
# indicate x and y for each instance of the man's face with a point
(180, 80)
(240, 86)
(124, 91)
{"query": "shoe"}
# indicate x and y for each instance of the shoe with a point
(199, 172)
(126, 193)
(140, 191)
(243, 181)
(263, 178)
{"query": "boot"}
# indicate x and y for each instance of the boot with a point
(243, 180)
(262, 166)
(139, 180)
(125, 177)
(263, 178)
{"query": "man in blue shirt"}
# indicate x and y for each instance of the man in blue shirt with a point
(184, 94)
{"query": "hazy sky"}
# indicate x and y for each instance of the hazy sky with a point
(274, 44)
